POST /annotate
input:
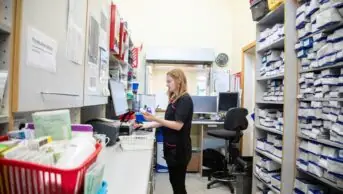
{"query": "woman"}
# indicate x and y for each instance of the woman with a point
(176, 127)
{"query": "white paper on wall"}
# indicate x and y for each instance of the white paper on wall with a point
(221, 81)
(41, 50)
(75, 43)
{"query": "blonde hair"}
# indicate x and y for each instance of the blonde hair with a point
(180, 80)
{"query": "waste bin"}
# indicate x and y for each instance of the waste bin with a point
(244, 181)
(161, 164)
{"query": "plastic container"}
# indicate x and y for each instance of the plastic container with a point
(35, 178)
(273, 4)
(135, 86)
(137, 142)
(259, 8)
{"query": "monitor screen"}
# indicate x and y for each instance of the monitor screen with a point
(205, 104)
(118, 97)
(228, 100)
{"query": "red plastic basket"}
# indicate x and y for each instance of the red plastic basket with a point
(4, 138)
(18, 177)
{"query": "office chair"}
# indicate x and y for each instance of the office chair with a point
(235, 122)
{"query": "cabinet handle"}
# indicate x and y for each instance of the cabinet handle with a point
(60, 94)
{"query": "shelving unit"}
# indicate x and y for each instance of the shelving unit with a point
(286, 105)
(264, 78)
(278, 44)
(270, 156)
(322, 141)
(322, 180)
(267, 184)
(320, 99)
(6, 39)
(269, 102)
(322, 68)
(268, 129)
(324, 136)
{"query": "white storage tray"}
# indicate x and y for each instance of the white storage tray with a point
(137, 142)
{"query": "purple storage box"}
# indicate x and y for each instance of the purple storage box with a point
(74, 127)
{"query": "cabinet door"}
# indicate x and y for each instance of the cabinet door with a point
(97, 52)
(44, 76)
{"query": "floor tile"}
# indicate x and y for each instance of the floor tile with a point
(194, 183)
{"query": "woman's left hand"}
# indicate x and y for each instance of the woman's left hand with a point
(149, 117)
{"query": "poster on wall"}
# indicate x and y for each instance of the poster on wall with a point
(41, 50)
(75, 44)
(103, 66)
(93, 43)
(93, 77)
(75, 33)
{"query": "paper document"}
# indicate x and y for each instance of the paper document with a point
(93, 41)
(41, 50)
(221, 81)
(75, 43)
(56, 124)
(76, 14)
(103, 67)
(103, 36)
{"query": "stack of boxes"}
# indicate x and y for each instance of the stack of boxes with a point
(316, 46)
(273, 63)
(271, 144)
(268, 171)
(271, 35)
(324, 84)
(271, 118)
(275, 90)
(322, 119)
(322, 161)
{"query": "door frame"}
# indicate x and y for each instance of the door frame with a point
(245, 49)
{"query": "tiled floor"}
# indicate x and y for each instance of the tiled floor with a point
(194, 183)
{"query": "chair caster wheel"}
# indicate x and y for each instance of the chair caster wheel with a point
(208, 187)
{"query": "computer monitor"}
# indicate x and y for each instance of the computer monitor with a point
(205, 104)
(118, 97)
(228, 100)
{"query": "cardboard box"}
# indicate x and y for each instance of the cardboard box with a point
(194, 164)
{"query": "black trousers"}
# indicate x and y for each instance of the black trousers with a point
(177, 177)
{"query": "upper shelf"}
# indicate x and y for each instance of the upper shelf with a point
(273, 17)
(323, 141)
(327, 30)
(272, 130)
(268, 102)
(321, 99)
(5, 28)
(279, 44)
(322, 68)
(278, 76)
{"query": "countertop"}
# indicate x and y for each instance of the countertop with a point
(127, 172)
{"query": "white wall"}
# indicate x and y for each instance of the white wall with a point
(224, 25)
(244, 31)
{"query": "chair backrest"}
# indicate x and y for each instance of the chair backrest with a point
(235, 119)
